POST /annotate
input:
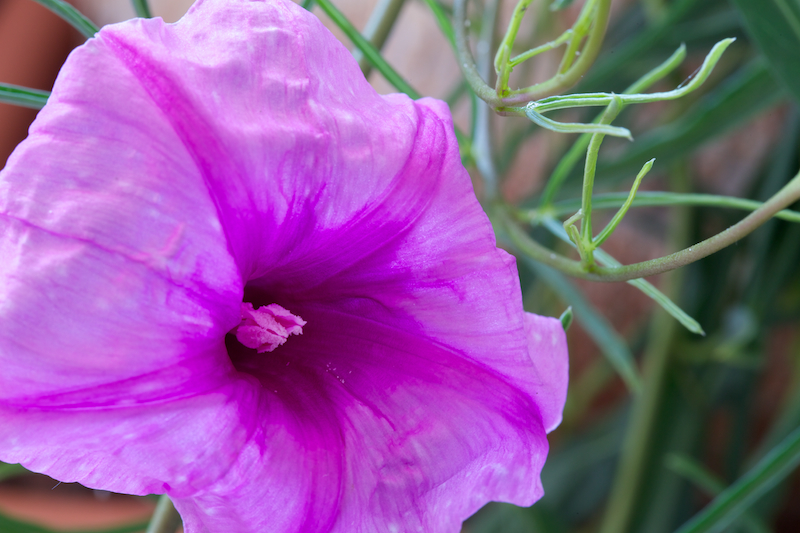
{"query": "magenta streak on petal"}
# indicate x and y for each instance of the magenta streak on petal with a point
(267, 327)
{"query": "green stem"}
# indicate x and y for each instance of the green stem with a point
(530, 112)
(784, 198)
(377, 30)
(556, 84)
(142, 9)
(465, 58)
(635, 447)
(588, 174)
(640, 427)
(604, 258)
(165, 518)
(71, 15)
(574, 154)
(658, 199)
(601, 99)
(582, 25)
(367, 49)
(23, 96)
(615, 221)
(565, 80)
(481, 148)
(507, 44)
(564, 37)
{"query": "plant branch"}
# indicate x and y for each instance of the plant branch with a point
(789, 194)
(377, 30)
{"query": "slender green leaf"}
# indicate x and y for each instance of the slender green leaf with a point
(736, 499)
(12, 525)
(712, 485)
(643, 285)
(663, 199)
(602, 99)
(142, 8)
(747, 94)
(775, 27)
(369, 51)
(71, 15)
(23, 96)
(443, 20)
(573, 127)
(566, 318)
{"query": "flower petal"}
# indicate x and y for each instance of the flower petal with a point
(374, 428)
(240, 151)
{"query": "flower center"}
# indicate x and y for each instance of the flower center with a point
(267, 327)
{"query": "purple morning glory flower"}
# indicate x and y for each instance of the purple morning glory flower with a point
(234, 273)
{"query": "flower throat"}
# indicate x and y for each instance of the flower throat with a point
(267, 327)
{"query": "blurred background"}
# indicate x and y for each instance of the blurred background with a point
(710, 407)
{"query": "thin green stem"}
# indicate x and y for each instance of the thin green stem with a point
(165, 518)
(604, 258)
(507, 44)
(574, 154)
(308, 4)
(443, 20)
(581, 27)
(658, 199)
(378, 28)
(572, 127)
(564, 37)
(482, 150)
(625, 489)
(589, 172)
(465, 58)
(784, 198)
(565, 80)
(556, 84)
(23, 96)
(614, 222)
(599, 99)
(367, 49)
(85, 26)
(640, 427)
(142, 8)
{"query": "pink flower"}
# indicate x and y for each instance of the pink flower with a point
(240, 156)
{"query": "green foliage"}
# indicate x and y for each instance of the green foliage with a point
(71, 15)
(23, 96)
(775, 27)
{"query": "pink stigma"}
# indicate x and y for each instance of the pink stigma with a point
(267, 327)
